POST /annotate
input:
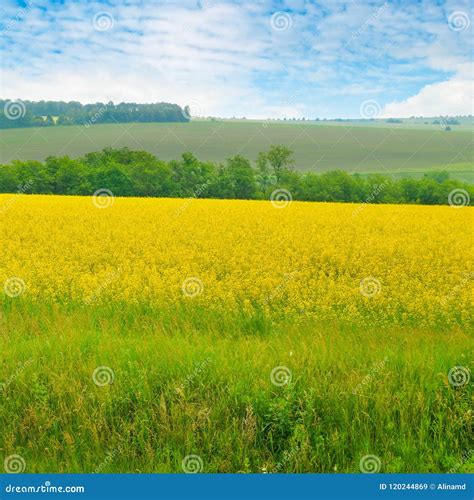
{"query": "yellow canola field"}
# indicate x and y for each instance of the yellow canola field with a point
(384, 263)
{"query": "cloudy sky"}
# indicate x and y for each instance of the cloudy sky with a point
(256, 58)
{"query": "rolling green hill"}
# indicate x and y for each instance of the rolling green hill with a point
(355, 148)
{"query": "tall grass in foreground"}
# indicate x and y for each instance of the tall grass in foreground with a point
(185, 384)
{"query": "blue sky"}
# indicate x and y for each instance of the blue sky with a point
(258, 59)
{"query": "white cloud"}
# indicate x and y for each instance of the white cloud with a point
(451, 98)
(226, 56)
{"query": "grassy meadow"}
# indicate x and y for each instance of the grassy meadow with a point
(171, 335)
(360, 148)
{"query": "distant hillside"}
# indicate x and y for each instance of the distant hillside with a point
(19, 114)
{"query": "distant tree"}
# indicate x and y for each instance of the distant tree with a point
(8, 179)
(438, 176)
(280, 160)
(190, 174)
(63, 120)
(264, 175)
(151, 179)
(241, 176)
(139, 173)
(72, 178)
(31, 113)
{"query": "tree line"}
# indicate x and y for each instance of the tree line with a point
(139, 173)
(16, 114)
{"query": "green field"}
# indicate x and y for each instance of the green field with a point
(193, 383)
(357, 148)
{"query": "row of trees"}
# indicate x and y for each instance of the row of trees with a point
(17, 114)
(139, 173)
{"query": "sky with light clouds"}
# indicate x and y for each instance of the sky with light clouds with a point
(259, 59)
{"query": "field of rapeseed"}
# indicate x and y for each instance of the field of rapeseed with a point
(215, 335)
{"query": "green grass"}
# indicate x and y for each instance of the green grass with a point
(191, 382)
(355, 148)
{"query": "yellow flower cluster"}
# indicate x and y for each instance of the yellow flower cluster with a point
(386, 263)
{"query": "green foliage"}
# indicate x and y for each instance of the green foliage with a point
(280, 159)
(334, 411)
(139, 173)
(40, 114)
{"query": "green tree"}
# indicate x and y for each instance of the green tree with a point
(264, 175)
(280, 159)
(241, 177)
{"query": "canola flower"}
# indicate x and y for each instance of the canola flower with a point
(388, 264)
